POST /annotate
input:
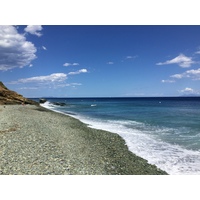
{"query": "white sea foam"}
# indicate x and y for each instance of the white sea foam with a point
(48, 105)
(171, 158)
(51, 106)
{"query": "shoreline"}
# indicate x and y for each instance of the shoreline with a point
(36, 140)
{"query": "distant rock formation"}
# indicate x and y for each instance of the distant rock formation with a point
(59, 104)
(10, 97)
(42, 100)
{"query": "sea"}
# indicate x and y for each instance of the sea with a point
(163, 130)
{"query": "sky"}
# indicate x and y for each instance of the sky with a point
(100, 60)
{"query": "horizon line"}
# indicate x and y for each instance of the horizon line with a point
(118, 97)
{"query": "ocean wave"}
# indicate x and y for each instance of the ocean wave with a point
(171, 158)
(48, 105)
(142, 140)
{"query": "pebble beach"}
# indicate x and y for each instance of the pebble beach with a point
(38, 141)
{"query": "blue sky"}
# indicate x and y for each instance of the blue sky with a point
(100, 61)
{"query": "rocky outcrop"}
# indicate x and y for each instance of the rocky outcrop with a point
(42, 100)
(59, 104)
(10, 97)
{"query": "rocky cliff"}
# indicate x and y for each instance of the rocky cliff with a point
(10, 97)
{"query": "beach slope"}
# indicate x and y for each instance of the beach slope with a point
(37, 141)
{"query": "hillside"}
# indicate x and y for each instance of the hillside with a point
(10, 97)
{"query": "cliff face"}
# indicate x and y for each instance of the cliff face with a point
(10, 97)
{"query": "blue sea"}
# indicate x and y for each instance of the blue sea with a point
(164, 131)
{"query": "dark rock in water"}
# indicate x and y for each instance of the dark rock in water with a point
(10, 97)
(59, 104)
(63, 104)
(42, 100)
(55, 103)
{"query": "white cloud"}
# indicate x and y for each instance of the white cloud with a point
(178, 76)
(168, 81)
(56, 77)
(53, 81)
(193, 74)
(78, 72)
(197, 52)
(110, 63)
(189, 91)
(44, 48)
(15, 50)
(131, 57)
(68, 85)
(28, 88)
(70, 64)
(34, 30)
(128, 57)
(182, 60)
(75, 84)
